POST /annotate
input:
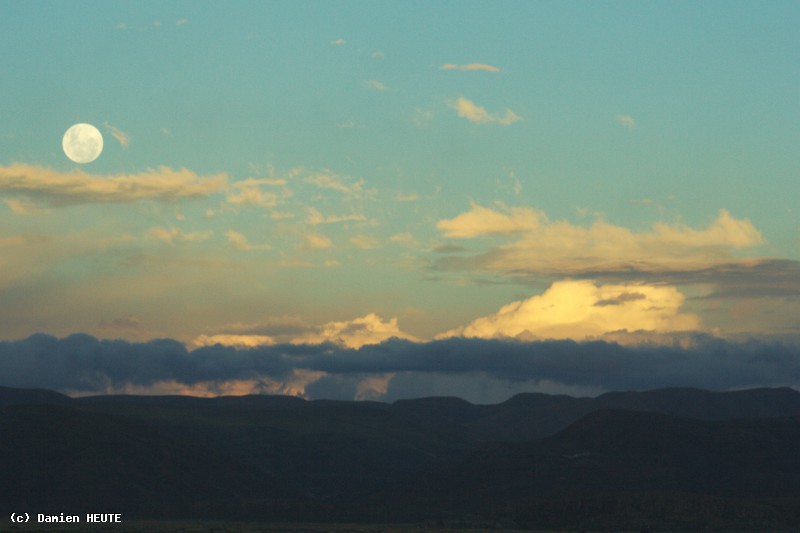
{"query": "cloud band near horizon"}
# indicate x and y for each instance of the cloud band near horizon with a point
(82, 364)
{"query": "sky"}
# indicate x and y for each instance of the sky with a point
(463, 182)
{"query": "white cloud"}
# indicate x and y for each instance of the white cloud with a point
(627, 121)
(484, 221)
(338, 42)
(580, 310)
(369, 329)
(181, 22)
(470, 66)
(474, 113)
(47, 187)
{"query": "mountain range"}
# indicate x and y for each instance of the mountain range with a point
(682, 459)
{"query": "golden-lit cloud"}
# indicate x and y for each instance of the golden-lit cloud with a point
(365, 242)
(474, 113)
(249, 192)
(484, 221)
(238, 341)
(173, 235)
(369, 329)
(470, 66)
(315, 241)
(44, 186)
(237, 241)
(580, 309)
(562, 248)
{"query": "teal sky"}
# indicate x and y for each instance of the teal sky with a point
(350, 171)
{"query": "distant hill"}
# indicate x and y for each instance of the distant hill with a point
(627, 458)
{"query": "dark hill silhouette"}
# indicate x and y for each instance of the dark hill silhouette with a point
(535, 459)
(59, 459)
(12, 396)
(634, 464)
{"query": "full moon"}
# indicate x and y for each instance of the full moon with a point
(82, 143)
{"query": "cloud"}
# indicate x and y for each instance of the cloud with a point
(561, 248)
(471, 66)
(580, 310)
(249, 192)
(173, 235)
(237, 341)
(46, 187)
(182, 22)
(480, 221)
(237, 241)
(121, 26)
(369, 329)
(474, 113)
(314, 241)
(394, 368)
(410, 197)
(121, 137)
(338, 42)
(365, 242)
(315, 217)
(376, 85)
(626, 120)
(328, 180)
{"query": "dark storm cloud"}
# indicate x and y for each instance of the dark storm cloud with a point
(83, 363)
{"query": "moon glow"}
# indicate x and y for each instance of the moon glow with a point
(82, 143)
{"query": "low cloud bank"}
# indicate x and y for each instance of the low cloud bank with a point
(475, 369)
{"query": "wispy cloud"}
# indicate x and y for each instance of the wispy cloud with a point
(338, 42)
(376, 85)
(406, 197)
(315, 241)
(47, 187)
(237, 241)
(173, 235)
(626, 120)
(474, 113)
(365, 242)
(315, 217)
(182, 22)
(470, 66)
(123, 138)
(249, 192)
(328, 180)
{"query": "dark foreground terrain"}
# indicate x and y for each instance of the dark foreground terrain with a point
(663, 460)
